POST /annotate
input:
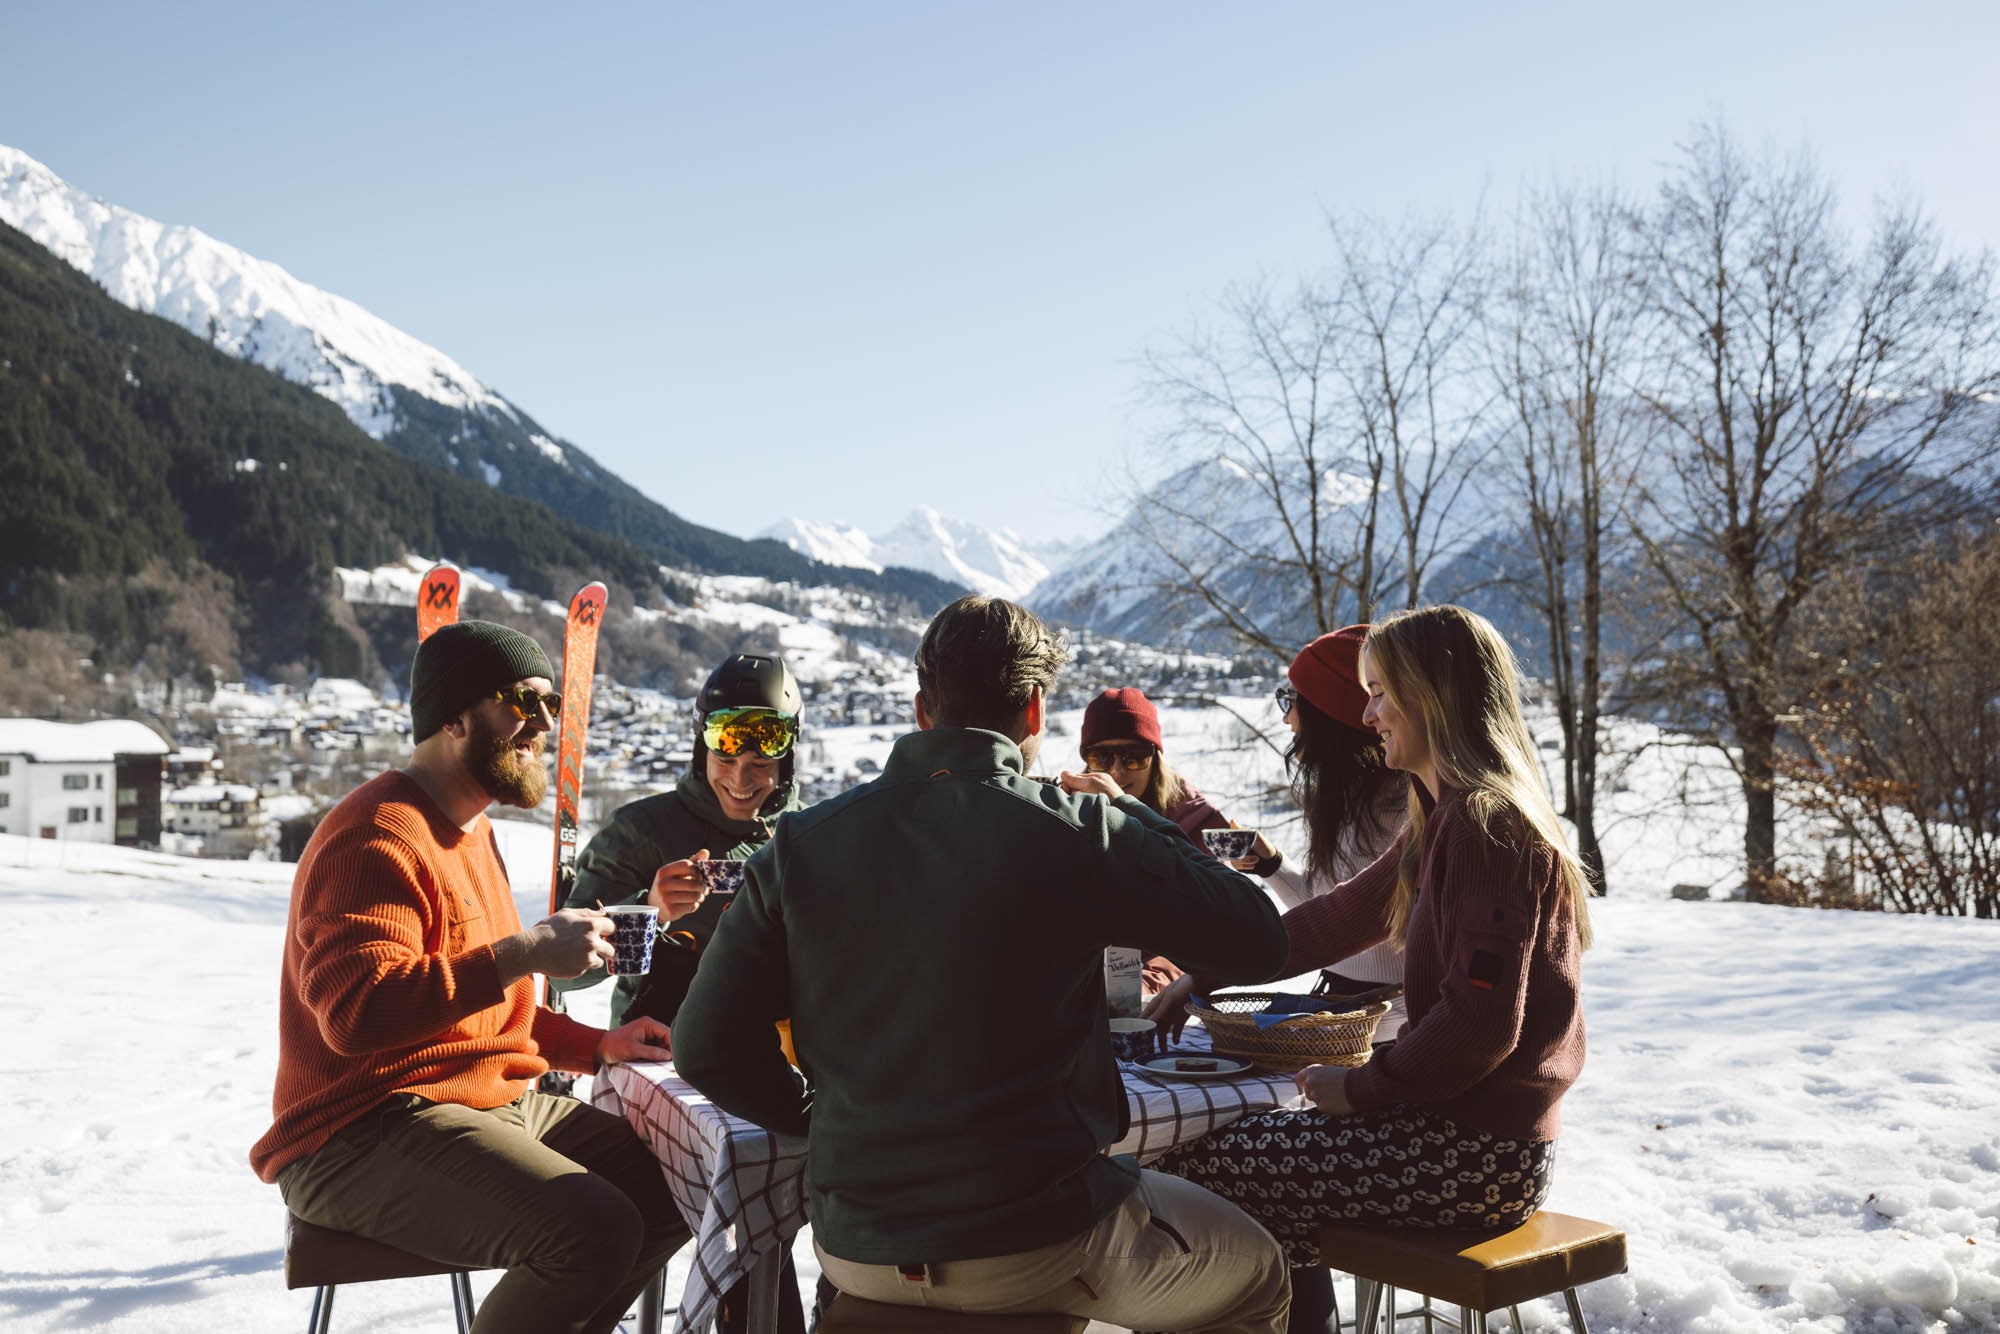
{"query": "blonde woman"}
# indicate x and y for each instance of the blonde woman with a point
(1455, 1125)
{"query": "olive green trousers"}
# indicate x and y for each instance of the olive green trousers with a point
(562, 1196)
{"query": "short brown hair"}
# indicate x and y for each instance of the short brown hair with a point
(981, 659)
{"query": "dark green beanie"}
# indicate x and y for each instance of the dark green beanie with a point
(463, 663)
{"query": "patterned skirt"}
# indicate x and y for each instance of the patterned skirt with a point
(1297, 1171)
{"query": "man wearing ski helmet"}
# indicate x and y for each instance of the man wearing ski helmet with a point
(747, 720)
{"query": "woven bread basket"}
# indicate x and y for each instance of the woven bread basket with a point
(1333, 1036)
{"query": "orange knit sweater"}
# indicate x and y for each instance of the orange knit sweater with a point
(390, 985)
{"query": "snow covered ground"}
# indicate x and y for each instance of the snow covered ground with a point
(1795, 1115)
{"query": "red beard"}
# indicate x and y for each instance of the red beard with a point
(510, 779)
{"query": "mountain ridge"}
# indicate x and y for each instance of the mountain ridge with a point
(410, 396)
(991, 561)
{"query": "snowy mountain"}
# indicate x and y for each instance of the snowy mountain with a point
(243, 305)
(997, 563)
(832, 543)
(1215, 519)
(404, 393)
(1210, 517)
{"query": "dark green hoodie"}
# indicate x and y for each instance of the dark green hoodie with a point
(618, 863)
(937, 939)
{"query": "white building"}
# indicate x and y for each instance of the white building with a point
(192, 764)
(340, 697)
(209, 808)
(95, 782)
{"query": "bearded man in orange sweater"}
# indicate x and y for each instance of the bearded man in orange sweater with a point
(409, 1038)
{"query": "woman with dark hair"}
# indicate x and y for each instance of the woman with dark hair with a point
(1453, 1126)
(1353, 802)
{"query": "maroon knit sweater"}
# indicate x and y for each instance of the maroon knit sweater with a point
(1490, 973)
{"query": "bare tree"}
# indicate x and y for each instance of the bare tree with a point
(1567, 323)
(1325, 437)
(1813, 403)
(1410, 302)
(1253, 417)
(1901, 733)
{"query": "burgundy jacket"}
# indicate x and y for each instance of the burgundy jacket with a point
(1490, 973)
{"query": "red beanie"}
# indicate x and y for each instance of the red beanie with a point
(1121, 715)
(1328, 673)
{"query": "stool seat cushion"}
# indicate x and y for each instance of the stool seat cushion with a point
(858, 1316)
(1480, 1270)
(316, 1256)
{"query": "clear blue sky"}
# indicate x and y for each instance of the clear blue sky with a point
(888, 255)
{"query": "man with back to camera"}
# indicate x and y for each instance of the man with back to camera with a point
(936, 938)
(409, 1038)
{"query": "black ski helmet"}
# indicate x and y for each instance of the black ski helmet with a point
(746, 680)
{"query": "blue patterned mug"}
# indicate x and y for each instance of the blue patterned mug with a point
(722, 875)
(1229, 845)
(1134, 1039)
(633, 926)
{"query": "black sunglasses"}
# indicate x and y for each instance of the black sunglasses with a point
(1286, 698)
(525, 699)
(1104, 758)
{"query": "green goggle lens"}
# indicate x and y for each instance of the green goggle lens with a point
(765, 732)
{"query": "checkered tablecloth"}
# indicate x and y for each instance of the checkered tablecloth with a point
(742, 1188)
(1167, 1112)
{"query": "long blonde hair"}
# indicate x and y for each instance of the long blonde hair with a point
(1450, 669)
(1164, 787)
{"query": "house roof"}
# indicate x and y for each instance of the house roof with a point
(78, 743)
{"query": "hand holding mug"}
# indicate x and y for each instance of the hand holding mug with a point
(570, 943)
(678, 888)
(1260, 851)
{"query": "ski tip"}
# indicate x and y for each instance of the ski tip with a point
(437, 599)
(587, 607)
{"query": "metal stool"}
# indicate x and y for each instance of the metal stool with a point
(853, 1315)
(1476, 1272)
(323, 1259)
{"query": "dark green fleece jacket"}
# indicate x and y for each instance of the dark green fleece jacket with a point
(618, 863)
(937, 939)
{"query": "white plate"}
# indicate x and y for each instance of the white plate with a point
(1226, 1067)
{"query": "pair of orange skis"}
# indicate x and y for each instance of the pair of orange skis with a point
(437, 605)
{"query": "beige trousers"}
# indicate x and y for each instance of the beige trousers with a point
(1171, 1257)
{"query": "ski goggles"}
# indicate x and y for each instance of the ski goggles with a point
(524, 700)
(750, 730)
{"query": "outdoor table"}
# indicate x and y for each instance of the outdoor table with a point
(742, 1187)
